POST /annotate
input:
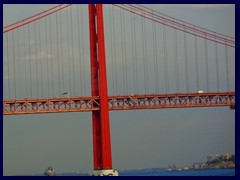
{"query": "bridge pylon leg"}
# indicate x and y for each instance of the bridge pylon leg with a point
(100, 119)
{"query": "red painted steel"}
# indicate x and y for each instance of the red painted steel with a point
(100, 119)
(24, 20)
(183, 26)
(100, 103)
(96, 124)
(124, 102)
(23, 23)
(104, 112)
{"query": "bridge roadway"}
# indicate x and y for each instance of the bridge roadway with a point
(121, 102)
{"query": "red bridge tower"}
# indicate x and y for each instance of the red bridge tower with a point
(100, 119)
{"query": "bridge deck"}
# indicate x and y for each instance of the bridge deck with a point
(124, 102)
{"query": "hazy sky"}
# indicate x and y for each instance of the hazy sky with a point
(140, 139)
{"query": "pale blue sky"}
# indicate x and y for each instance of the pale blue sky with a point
(140, 139)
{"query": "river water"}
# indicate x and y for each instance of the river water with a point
(206, 172)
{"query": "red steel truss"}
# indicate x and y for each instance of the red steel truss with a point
(124, 102)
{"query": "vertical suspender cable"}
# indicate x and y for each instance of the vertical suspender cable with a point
(58, 64)
(186, 62)
(111, 47)
(8, 71)
(226, 52)
(144, 53)
(206, 63)
(125, 54)
(176, 58)
(19, 64)
(40, 53)
(133, 55)
(29, 56)
(36, 58)
(122, 42)
(25, 65)
(80, 54)
(83, 54)
(115, 56)
(217, 70)
(14, 65)
(196, 61)
(154, 55)
(51, 53)
(46, 38)
(165, 59)
(68, 60)
(71, 27)
(61, 46)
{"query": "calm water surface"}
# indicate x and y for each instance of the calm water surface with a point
(217, 172)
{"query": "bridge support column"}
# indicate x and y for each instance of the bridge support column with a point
(100, 119)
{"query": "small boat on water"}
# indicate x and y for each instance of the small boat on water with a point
(172, 168)
(49, 171)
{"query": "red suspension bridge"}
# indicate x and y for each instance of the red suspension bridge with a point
(153, 61)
